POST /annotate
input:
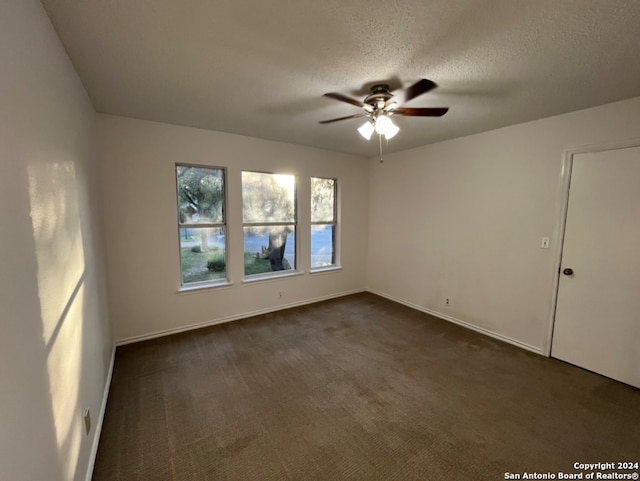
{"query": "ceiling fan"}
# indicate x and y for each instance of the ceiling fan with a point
(381, 104)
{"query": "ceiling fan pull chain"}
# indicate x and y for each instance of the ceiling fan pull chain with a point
(380, 139)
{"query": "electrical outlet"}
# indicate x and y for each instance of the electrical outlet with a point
(545, 243)
(447, 301)
(87, 421)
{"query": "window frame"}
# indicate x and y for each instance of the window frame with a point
(224, 281)
(335, 264)
(295, 223)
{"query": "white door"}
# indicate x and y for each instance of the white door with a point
(597, 322)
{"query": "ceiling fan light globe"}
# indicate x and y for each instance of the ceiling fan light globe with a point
(391, 131)
(366, 130)
(382, 124)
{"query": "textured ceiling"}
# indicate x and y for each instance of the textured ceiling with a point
(260, 67)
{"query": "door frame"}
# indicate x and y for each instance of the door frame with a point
(561, 217)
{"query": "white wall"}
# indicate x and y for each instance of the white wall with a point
(464, 219)
(138, 180)
(55, 342)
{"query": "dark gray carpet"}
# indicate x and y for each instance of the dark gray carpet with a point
(355, 388)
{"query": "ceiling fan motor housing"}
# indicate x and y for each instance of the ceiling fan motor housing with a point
(378, 97)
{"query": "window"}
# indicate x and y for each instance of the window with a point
(323, 222)
(269, 222)
(201, 224)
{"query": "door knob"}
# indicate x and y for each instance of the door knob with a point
(568, 271)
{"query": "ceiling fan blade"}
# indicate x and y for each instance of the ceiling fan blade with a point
(422, 86)
(421, 111)
(344, 98)
(354, 116)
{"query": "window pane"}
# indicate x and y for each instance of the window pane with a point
(202, 254)
(322, 199)
(322, 246)
(200, 195)
(269, 249)
(268, 197)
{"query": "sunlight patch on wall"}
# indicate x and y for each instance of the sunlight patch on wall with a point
(56, 219)
(64, 366)
(55, 215)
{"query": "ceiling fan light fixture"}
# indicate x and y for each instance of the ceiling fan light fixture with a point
(384, 126)
(391, 131)
(381, 104)
(366, 130)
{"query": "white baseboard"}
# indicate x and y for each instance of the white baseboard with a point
(222, 320)
(460, 322)
(100, 420)
(482, 330)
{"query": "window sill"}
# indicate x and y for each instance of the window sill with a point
(270, 276)
(203, 287)
(324, 270)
